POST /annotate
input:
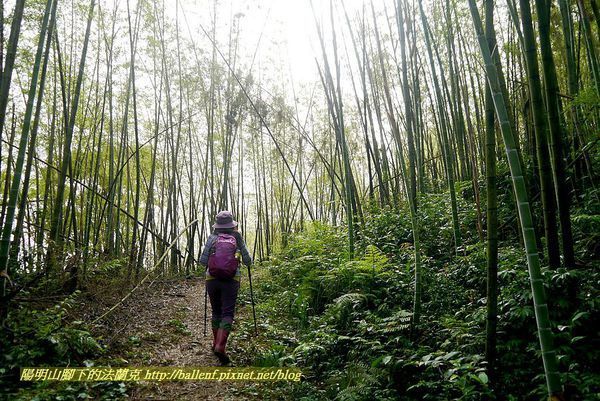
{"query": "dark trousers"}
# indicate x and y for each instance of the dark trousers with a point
(222, 294)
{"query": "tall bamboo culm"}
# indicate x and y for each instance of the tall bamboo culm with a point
(537, 285)
(492, 213)
(16, 181)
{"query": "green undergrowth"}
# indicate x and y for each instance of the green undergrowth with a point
(49, 337)
(346, 322)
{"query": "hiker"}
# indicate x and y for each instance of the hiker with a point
(220, 256)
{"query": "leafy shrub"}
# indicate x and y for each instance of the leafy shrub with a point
(449, 375)
(586, 229)
(346, 323)
(37, 338)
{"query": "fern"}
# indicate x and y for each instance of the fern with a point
(358, 381)
(339, 313)
(352, 299)
(375, 258)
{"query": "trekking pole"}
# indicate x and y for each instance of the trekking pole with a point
(252, 299)
(205, 306)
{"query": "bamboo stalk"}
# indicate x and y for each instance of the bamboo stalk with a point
(525, 215)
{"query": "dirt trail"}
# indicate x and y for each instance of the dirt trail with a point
(163, 325)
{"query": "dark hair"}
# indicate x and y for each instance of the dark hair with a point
(223, 230)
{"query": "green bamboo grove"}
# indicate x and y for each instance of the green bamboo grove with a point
(126, 126)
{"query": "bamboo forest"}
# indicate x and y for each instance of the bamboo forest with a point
(299, 200)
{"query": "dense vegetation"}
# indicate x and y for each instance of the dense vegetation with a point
(345, 322)
(421, 197)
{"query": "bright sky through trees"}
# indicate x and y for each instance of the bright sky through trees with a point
(283, 31)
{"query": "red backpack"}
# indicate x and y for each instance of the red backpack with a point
(222, 262)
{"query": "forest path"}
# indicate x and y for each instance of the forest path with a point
(163, 325)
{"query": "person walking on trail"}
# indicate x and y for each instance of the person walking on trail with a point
(221, 257)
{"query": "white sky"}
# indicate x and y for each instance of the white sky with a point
(287, 27)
